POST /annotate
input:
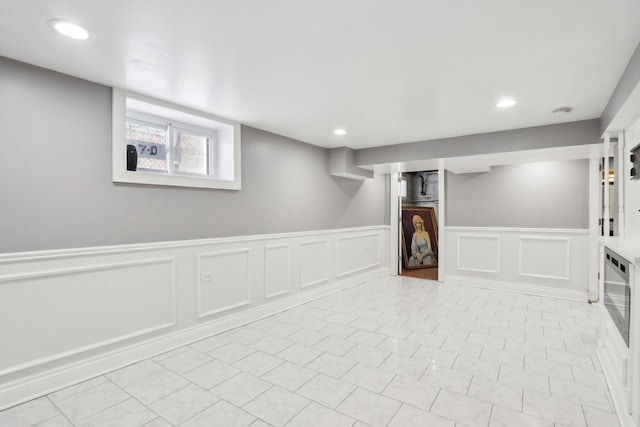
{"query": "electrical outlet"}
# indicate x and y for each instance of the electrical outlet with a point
(206, 276)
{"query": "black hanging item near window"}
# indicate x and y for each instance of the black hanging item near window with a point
(132, 158)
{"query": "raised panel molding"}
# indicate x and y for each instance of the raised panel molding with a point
(357, 253)
(552, 262)
(57, 254)
(276, 270)
(76, 293)
(160, 298)
(544, 257)
(518, 230)
(478, 253)
(314, 262)
(224, 281)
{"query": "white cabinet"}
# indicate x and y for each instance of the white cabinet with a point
(621, 363)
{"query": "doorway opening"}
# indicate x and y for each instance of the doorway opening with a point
(609, 197)
(418, 223)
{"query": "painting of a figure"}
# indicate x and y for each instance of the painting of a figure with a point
(419, 238)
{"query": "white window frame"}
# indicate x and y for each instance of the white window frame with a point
(225, 152)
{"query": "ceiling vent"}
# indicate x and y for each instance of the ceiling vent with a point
(562, 111)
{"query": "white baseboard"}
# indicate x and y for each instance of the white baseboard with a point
(51, 380)
(519, 288)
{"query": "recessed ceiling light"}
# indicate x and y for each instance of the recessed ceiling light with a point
(340, 132)
(70, 29)
(562, 111)
(506, 103)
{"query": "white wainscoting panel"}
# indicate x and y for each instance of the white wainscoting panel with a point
(357, 253)
(478, 253)
(225, 281)
(547, 262)
(72, 314)
(276, 270)
(314, 262)
(545, 257)
(51, 314)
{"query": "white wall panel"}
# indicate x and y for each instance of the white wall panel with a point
(224, 280)
(314, 262)
(545, 257)
(548, 262)
(357, 253)
(72, 314)
(49, 314)
(478, 253)
(276, 270)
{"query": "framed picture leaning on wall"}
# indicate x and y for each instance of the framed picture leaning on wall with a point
(419, 238)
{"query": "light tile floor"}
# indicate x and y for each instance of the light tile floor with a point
(394, 351)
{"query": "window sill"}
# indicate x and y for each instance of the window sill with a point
(174, 180)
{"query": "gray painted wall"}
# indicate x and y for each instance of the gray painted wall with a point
(56, 189)
(628, 81)
(559, 135)
(531, 195)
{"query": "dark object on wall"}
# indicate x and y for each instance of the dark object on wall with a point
(421, 187)
(635, 159)
(419, 237)
(132, 158)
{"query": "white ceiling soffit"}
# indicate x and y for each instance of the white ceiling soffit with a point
(484, 162)
(386, 71)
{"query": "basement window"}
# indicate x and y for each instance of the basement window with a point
(158, 143)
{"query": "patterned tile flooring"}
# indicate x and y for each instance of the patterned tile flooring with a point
(393, 351)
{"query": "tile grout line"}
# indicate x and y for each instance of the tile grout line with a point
(297, 413)
(148, 376)
(394, 414)
(490, 415)
(81, 382)
(59, 411)
(406, 313)
(435, 399)
(199, 412)
(258, 395)
(114, 405)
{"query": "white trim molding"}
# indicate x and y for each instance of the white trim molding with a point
(40, 256)
(79, 270)
(549, 262)
(494, 260)
(543, 291)
(44, 277)
(132, 302)
(225, 152)
(269, 268)
(321, 270)
(363, 248)
(225, 280)
(614, 357)
(539, 257)
(519, 230)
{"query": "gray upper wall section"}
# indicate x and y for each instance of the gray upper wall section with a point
(629, 80)
(559, 135)
(530, 195)
(56, 188)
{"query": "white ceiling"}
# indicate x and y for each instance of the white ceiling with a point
(387, 71)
